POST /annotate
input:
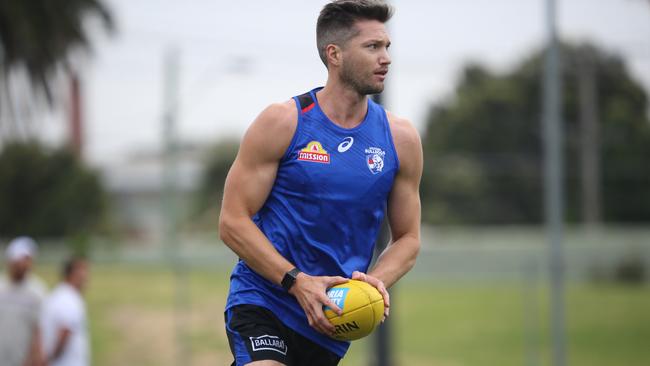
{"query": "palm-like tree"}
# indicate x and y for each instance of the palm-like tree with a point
(37, 38)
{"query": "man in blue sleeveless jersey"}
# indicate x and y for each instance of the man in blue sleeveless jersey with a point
(305, 197)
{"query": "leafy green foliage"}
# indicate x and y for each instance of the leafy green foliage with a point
(47, 193)
(39, 35)
(219, 160)
(483, 147)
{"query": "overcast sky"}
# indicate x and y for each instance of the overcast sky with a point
(237, 57)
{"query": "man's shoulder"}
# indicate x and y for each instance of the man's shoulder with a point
(279, 115)
(405, 135)
(401, 127)
(63, 296)
(407, 143)
(19, 296)
(37, 285)
(271, 132)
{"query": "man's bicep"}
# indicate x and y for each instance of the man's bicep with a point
(247, 186)
(404, 202)
(404, 209)
(253, 172)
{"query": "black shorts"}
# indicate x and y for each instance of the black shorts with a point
(256, 334)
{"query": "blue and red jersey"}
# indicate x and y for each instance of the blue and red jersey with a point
(325, 209)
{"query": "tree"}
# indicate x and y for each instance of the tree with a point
(37, 38)
(483, 148)
(47, 193)
(210, 193)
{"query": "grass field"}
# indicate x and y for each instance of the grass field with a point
(442, 323)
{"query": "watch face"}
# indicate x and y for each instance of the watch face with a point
(290, 278)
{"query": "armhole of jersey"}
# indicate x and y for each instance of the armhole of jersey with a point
(292, 144)
(389, 134)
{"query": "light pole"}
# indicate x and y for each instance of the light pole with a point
(553, 183)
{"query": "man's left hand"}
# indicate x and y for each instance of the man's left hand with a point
(379, 285)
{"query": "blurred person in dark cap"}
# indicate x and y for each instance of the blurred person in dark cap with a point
(21, 296)
(64, 325)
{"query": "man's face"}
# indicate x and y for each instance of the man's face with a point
(80, 274)
(19, 268)
(365, 58)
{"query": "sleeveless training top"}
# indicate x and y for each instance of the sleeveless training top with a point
(324, 211)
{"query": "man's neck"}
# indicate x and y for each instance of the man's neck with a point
(17, 280)
(73, 285)
(342, 105)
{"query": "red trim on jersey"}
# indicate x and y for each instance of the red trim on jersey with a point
(308, 108)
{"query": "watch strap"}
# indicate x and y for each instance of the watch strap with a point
(290, 278)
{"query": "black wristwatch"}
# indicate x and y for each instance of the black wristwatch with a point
(290, 278)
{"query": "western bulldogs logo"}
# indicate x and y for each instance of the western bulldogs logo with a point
(375, 159)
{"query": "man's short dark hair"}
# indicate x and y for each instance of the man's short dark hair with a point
(71, 264)
(336, 21)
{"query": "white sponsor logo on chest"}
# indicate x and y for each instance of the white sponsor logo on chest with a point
(346, 144)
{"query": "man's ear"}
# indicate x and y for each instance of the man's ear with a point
(334, 55)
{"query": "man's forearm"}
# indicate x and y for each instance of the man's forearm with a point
(396, 260)
(35, 354)
(61, 342)
(249, 243)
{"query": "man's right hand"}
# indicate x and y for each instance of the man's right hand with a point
(311, 293)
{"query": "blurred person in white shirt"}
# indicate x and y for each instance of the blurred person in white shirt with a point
(21, 252)
(63, 322)
(21, 297)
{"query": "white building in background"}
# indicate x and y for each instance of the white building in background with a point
(136, 191)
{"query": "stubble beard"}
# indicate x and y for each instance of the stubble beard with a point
(358, 82)
(18, 275)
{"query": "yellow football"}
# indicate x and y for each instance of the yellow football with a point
(363, 309)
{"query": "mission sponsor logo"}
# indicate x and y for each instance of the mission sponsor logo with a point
(375, 159)
(315, 153)
(268, 343)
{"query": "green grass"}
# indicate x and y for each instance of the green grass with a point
(133, 321)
